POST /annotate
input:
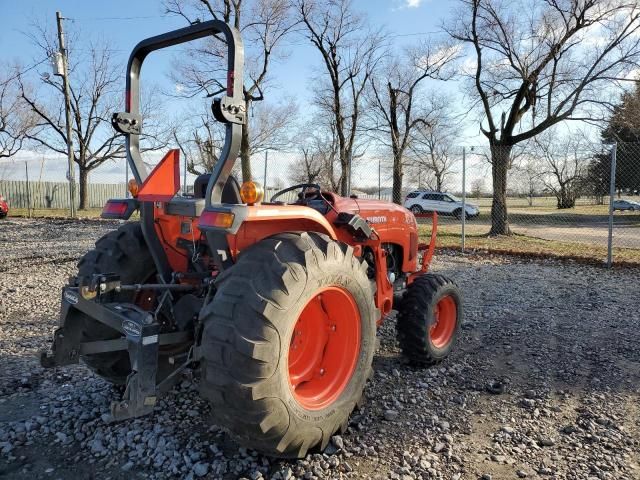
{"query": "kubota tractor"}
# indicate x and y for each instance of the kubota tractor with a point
(275, 305)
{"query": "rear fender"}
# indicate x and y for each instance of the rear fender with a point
(264, 221)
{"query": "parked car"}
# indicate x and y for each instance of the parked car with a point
(420, 201)
(626, 205)
(4, 207)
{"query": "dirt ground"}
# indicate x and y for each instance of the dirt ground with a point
(543, 383)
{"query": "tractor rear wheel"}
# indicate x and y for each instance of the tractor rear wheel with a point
(429, 318)
(288, 343)
(124, 252)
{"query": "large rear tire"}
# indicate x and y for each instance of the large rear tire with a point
(429, 318)
(288, 343)
(124, 252)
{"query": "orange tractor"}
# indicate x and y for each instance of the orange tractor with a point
(275, 305)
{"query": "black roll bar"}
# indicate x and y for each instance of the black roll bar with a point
(230, 109)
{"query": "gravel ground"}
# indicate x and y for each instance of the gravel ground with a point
(544, 383)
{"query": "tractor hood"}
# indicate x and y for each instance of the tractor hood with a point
(374, 211)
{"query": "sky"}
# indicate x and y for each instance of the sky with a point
(124, 23)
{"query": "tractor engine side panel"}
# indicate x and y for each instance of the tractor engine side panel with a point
(396, 225)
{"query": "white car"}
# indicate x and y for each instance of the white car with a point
(420, 201)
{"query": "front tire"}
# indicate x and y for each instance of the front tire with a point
(429, 318)
(288, 343)
(416, 209)
(458, 214)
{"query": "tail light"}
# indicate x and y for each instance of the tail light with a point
(216, 219)
(120, 209)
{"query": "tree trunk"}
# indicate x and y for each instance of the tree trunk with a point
(500, 155)
(245, 148)
(397, 178)
(565, 197)
(345, 163)
(438, 181)
(84, 180)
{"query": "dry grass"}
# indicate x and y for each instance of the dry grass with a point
(477, 241)
(53, 213)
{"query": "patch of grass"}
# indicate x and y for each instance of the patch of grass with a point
(54, 212)
(523, 245)
(545, 205)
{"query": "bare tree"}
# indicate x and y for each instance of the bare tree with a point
(310, 169)
(201, 138)
(264, 25)
(538, 63)
(95, 84)
(566, 160)
(350, 52)
(529, 173)
(477, 187)
(397, 103)
(434, 141)
(199, 141)
(16, 119)
(319, 148)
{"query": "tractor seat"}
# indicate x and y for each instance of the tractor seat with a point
(230, 192)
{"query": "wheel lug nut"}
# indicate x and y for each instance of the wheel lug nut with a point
(322, 371)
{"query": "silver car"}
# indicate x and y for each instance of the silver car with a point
(420, 201)
(626, 205)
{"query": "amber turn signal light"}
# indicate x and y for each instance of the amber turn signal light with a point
(251, 192)
(133, 187)
(216, 219)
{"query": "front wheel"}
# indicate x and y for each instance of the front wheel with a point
(288, 343)
(416, 209)
(458, 214)
(429, 318)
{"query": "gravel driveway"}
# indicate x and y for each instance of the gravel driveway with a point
(545, 383)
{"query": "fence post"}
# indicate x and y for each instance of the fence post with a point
(26, 170)
(464, 193)
(264, 178)
(379, 180)
(612, 193)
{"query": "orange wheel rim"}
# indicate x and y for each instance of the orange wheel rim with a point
(324, 348)
(445, 316)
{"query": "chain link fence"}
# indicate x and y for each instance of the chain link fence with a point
(556, 199)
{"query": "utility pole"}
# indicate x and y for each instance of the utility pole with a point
(67, 109)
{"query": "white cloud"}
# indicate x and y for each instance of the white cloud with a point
(440, 57)
(413, 3)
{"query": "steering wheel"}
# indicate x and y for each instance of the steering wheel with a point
(303, 186)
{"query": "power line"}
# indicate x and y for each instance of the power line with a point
(97, 19)
(414, 34)
(28, 69)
